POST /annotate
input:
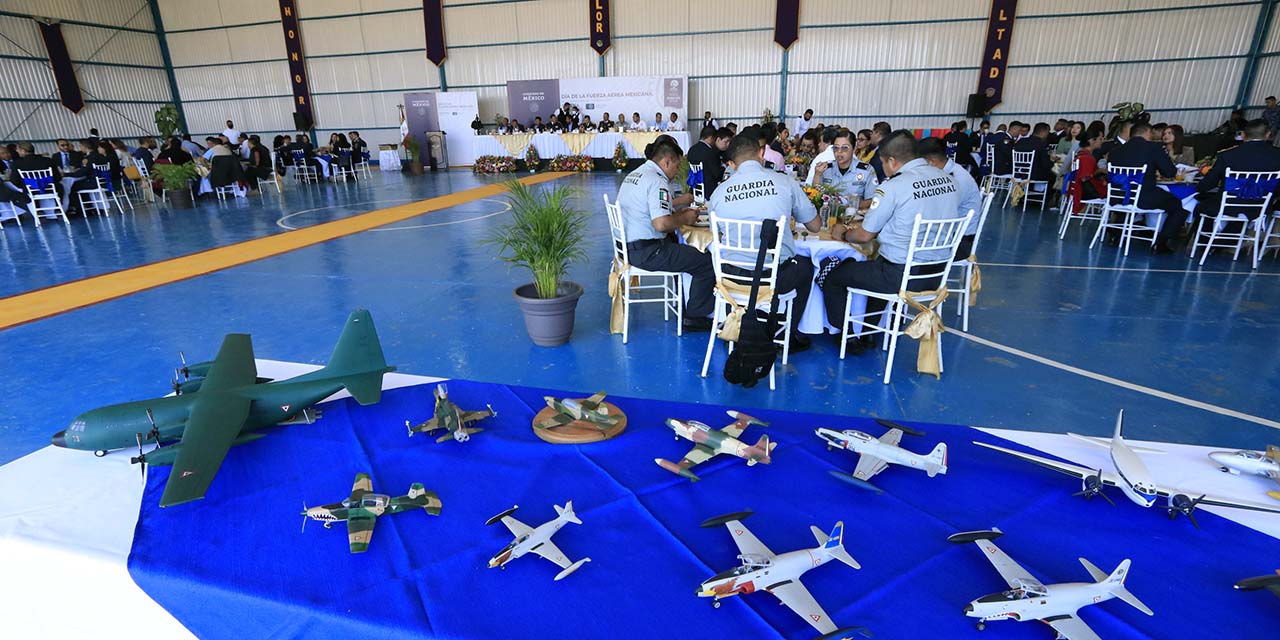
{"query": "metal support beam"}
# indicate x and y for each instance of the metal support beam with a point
(444, 84)
(1260, 31)
(782, 94)
(158, 22)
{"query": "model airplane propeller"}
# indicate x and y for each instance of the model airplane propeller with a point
(536, 540)
(363, 507)
(709, 443)
(1132, 478)
(1093, 487)
(779, 574)
(876, 454)
(1056, 604)
(451, 418)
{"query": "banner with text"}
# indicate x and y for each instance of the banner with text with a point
(995, 55)
(646, 95)
(305, 118)
(450, 112)
(601, 34)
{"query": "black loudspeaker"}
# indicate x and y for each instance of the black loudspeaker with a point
(977, 106)
(301, 121)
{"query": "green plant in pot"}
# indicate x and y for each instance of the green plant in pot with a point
(545, 235)
(167, 120)
(415, 158)
(176, 180)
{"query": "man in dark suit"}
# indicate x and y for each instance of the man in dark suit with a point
(879, 131)
(1139, 151)
(1123, 132)
(1254, 154)
(707, 151)
(1003, 143)
(65, 156)
(1059, 129)
(963, 148)
(1037, 142)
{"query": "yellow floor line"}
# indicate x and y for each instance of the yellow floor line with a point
(50, 301)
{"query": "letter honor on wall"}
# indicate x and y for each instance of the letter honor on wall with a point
(996, 54)
(601, 36)
(297, 61)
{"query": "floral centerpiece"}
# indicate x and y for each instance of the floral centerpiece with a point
(532, 159)
(1205, 164)
(620, 157)
(823, 194)
(494, 164)
(580, 164)
(800, 160)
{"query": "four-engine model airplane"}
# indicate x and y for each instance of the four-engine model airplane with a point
(536, 540)
(1055, 605)
(876, 454)
(779, 574)
(449, 416)
(227, 407)
(709, 443)
(1270, 583)
(1133, 478)
(362, 508)
(591, 410)
(1256, 463)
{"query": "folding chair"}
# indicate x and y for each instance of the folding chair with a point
(995, 181)
(97, 199)
(1241, 191)
(1272, 234)
(964, 280)
(363, 165)
(302, 171)
(144, 185)
(736, 243)
(44, 195)
(668, 282)
(697, 183)
(928, 238)
(1022, 163)
(342, 167)
(274, 181)
(1070, 186)
(1124, 189)
(10, 211)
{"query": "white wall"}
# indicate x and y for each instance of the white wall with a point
(118, 66)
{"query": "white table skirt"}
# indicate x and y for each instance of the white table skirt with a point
(389, 160)
(814, 320)
(489, 146)
(551, 144)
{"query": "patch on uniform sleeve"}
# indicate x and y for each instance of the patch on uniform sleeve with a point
(875, 202)
(664, 197)
(879, 193)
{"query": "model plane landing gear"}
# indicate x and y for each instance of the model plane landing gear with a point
(982, 626)
(715, 604)
(100, 452)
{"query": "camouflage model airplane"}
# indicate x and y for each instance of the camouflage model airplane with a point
(362, 508)
(709, 443)
(591, 410)
(1270, 583)
(227, 407)
(536, 540)
(449, 416)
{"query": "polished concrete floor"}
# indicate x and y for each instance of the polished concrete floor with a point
(1190, 352)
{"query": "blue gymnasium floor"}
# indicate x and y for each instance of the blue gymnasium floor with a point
(442, 306)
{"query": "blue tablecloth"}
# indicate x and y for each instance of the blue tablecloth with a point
(235, 565)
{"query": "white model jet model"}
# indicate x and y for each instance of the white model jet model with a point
(709, 443)
(779, 574)
(1133, 478)
(1255, 463)
(876, 454)
(1055, 605)
(536, 540)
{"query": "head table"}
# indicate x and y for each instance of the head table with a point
(595, 145)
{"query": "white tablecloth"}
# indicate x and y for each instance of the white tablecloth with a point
(814, 320)
(389, 160)
(549, 145)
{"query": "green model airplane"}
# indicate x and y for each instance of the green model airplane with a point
(362, 508)
(227, 407)
(449, 417)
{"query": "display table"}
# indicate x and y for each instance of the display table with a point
(595, 145)
(388, 160)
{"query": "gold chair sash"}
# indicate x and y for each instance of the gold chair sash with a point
(1017, 192)
(927, 328)
(975, 280)
(733, 322)
(617, 311)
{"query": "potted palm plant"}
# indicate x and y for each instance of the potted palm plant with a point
(176, 180)
(415, 160)
(544, 235)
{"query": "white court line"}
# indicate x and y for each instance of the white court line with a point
(1164, 395)
(506, 207)
(1088, 268)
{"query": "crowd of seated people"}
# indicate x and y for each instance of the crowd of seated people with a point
(569, 118)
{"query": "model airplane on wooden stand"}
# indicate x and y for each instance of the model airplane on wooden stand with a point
(228, 406)
(361, 510)
(709, 443)
(876, 454)
(448, 416)
(593, 410)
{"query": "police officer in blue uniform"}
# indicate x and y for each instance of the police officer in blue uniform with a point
(852, 177)
(649, 217)
(934, 151)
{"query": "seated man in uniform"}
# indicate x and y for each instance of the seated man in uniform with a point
(914, 188)
(756, 193)
(825, 154)
(1041, 163)
(963, 155)
(934, 151)
(1254, 154)
(856, 179)
(879, 131)
(1138, 151)
(649, 218)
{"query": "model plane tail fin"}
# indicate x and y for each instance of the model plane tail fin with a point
(566, 512)
(759, 452)
(1119, 426)
(937, 461)
(833, 544)
(357, 359)
(1115, 583)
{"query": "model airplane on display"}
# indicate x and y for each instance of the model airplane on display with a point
(779, 574)
(592, 410)
(1056, 604)
(227, 407)
(1254, 463)
(448, 416)
(709, 443)
(1270, 583)
(876, 454)
(1133, 479)
(536, 540)
(362, 508)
